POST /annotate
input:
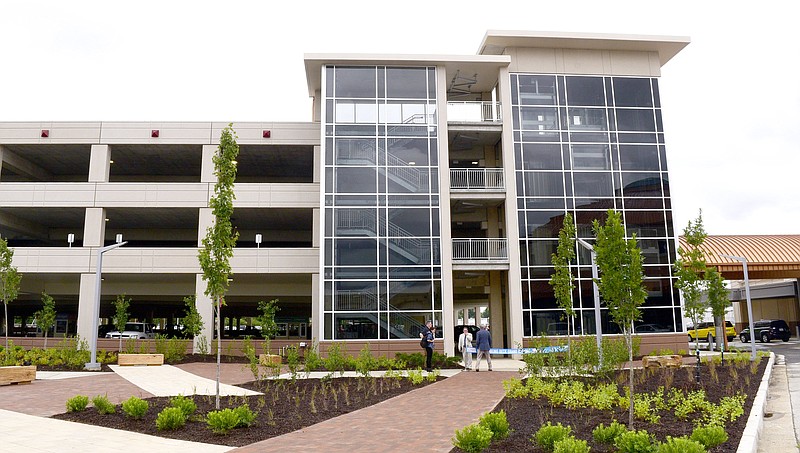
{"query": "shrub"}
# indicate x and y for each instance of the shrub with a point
(186, 405)
(246, 416)
(417, 360)
(135, 407)
(497, 423)
(312, 358)
(77, 403)
(416, 377)
(710, 436)
(337, 359)
(365, 363)
(571, 445)
(549, 434)
(680, 445)
(222, 421)
(608, 434)
(170, 418)
(473, 438)
(103, 405)
(634, 442)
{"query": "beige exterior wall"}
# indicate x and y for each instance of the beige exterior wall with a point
(577, 61)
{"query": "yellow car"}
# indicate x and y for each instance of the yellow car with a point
(705, 331)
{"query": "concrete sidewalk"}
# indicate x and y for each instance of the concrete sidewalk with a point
(779, 423)
(167, 380)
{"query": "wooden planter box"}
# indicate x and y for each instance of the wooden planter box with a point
(140, 359)
(17, 374)
(270, 359)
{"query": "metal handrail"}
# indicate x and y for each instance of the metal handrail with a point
(474, 111)
(477, 179)
(480, 249)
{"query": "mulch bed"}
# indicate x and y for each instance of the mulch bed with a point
(526, 416)
(284, 407)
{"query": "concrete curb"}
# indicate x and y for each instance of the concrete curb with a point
(755, 422)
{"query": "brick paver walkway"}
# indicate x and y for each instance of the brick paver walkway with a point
(422, 420)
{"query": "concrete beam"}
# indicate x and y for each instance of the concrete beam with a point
(23, 166)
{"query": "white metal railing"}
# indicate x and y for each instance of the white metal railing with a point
(477, 179)
(480, 249)
(474, 111)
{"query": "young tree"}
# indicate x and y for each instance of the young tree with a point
(46, 316)
(690, 268)
(220, 238)
(717, 297)
(192, 321)
(266, 320)
(562, 281)
(121, 315)
(619, 263)
(9, 282)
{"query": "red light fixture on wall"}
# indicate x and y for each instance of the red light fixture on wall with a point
(266, 134)
(154, 133)
(45, 133)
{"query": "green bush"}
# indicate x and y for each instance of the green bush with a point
(365, 363)
(497, 423)
(417, 360)
(170, 418)
(337, 359)
(473, 438)
(710, 436)
(571, 445)
(103, 405)
(222, 421)
(549, 434)
(313, 361)
(680, 445)
(416, 377)
(293, 361)
(135, 407)
(246, 416)
(77, 403)
(607, 434)
(186, 405)
(634, 442)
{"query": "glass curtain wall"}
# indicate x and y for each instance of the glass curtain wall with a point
(584, 145)
(382, 241)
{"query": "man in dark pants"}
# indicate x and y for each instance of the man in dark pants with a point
(484, 340)
(429, 337)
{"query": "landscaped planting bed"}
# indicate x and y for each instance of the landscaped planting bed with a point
(285, 406)
(669, 403)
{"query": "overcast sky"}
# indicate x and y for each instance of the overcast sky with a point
(731, 103)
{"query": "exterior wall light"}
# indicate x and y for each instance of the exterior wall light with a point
(266, 134)
(258, 240)
(71, 239)
(45, 133)
(154, 133)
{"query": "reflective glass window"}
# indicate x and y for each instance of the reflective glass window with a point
(406, 83)
(537, 156)
(544, 224)
(409, 222)
(585, 91)
(641, 184)
(632, 92)
(537, 90)
(590, 157)
(538, 118)
(355, 222)
(355, 180)
(351, 326)
(645, 224)
(355, 151)
(635, 120)
(355, 252)
(638, 157)
(543, 184)
(587, 119)
(355, 82)
(408, 151)
(592, 184)
(540, 253)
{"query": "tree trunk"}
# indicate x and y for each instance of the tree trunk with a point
(45, 339)
(5, 322)
(219, 345)
(629, 339)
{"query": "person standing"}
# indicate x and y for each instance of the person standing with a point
(484, 339)
(465, 342)
(429, 337)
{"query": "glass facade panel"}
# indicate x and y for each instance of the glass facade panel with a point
(606, 131)
(382, 237)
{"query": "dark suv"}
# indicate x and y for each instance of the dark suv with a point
(767, 330)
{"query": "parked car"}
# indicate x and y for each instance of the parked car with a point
(767, 330)
(651, 328)
(138, 330)
(706, 331)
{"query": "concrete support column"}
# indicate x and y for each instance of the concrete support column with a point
(205, 220)
(207, 163)
(2, 151)
(316, 308)
(496, 312)
(86, 305)
(444, 213)
(205, 308)
(317, 163)
(316, 228)
(99, 163)
(94, 227)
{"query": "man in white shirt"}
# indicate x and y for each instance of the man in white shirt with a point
(464, 342)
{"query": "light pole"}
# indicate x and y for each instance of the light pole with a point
(743, 260)
(93, 365)
(596, 290)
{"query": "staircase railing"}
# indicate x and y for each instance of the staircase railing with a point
(480, 249)
(477, 179)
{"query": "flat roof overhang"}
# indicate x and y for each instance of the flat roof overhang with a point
(465, 63)
(495, 42)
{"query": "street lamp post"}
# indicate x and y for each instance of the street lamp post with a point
(743, 260)
(596, 290)
(93, 365)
